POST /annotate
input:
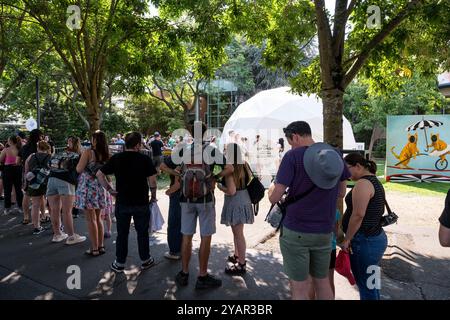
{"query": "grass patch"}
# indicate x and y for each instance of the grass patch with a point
(419, 188)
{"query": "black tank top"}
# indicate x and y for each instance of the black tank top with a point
(371, 224)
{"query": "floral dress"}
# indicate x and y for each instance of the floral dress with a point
(90, 194)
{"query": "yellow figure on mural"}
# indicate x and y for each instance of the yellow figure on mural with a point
(438, 146)
(409, 151)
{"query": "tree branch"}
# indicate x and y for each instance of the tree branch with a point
(385, 31)
(340, 22)
(78, 111)
(20, 77)
(162, 98)
(325, 44)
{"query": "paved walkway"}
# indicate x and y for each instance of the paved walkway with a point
(31, 267)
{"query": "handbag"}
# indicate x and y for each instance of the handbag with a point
(278, 210)
(256, 191)
(390, 218)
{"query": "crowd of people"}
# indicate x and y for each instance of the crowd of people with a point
(311, 178)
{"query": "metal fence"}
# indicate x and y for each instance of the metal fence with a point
(113, 149)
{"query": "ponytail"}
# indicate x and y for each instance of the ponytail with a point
(355, 158)
(371, 166)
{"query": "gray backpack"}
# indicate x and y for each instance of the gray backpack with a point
(196, 181)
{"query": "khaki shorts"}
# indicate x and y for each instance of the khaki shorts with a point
(305, 254)
(206, 214)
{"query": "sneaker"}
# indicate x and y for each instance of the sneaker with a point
(113, 219)
(60, 237)
(207, 282)
(172, 256)
(38, 230)
(116, 267)
(148, 264)
(236, 269)
(182, 279)
(75, 238)
(6, 211)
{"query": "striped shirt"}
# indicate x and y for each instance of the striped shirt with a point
(371, 223)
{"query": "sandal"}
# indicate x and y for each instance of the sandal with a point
(92, 253)
(101, 250)
(233, 259)
(45, 220)
(236, 269)
(25, 221)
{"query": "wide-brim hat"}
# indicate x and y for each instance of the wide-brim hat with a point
(323, 164)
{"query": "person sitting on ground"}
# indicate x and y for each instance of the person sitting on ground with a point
(444, 228)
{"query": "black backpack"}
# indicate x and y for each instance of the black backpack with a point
(41, 173)
(255, 189)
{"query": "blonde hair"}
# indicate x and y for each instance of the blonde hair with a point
(234, 154)
(43, 146)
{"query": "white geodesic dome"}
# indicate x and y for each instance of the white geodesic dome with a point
(266, 114)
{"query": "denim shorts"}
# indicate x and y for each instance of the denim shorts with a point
(206, 213)
(59, 187)
(305, 254)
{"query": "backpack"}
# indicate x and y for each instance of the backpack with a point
(41, 173)
(196, 181)
(66, 162)
(255, 189)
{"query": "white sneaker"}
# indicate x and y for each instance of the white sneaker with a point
(59, 238)
(171, 256)
(6, 212)
(75, 238)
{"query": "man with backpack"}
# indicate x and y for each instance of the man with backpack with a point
(195, 167)
(316, 176)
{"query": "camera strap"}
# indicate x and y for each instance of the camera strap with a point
(387, 206)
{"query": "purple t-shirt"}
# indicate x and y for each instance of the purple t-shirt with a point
(316, 212)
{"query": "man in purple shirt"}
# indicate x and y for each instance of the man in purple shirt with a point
(317, 172)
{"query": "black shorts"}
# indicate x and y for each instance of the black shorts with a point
(333, 259)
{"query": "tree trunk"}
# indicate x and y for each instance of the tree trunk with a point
(333, 106)
(186, 119)
(93, 112)
(377, 133)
